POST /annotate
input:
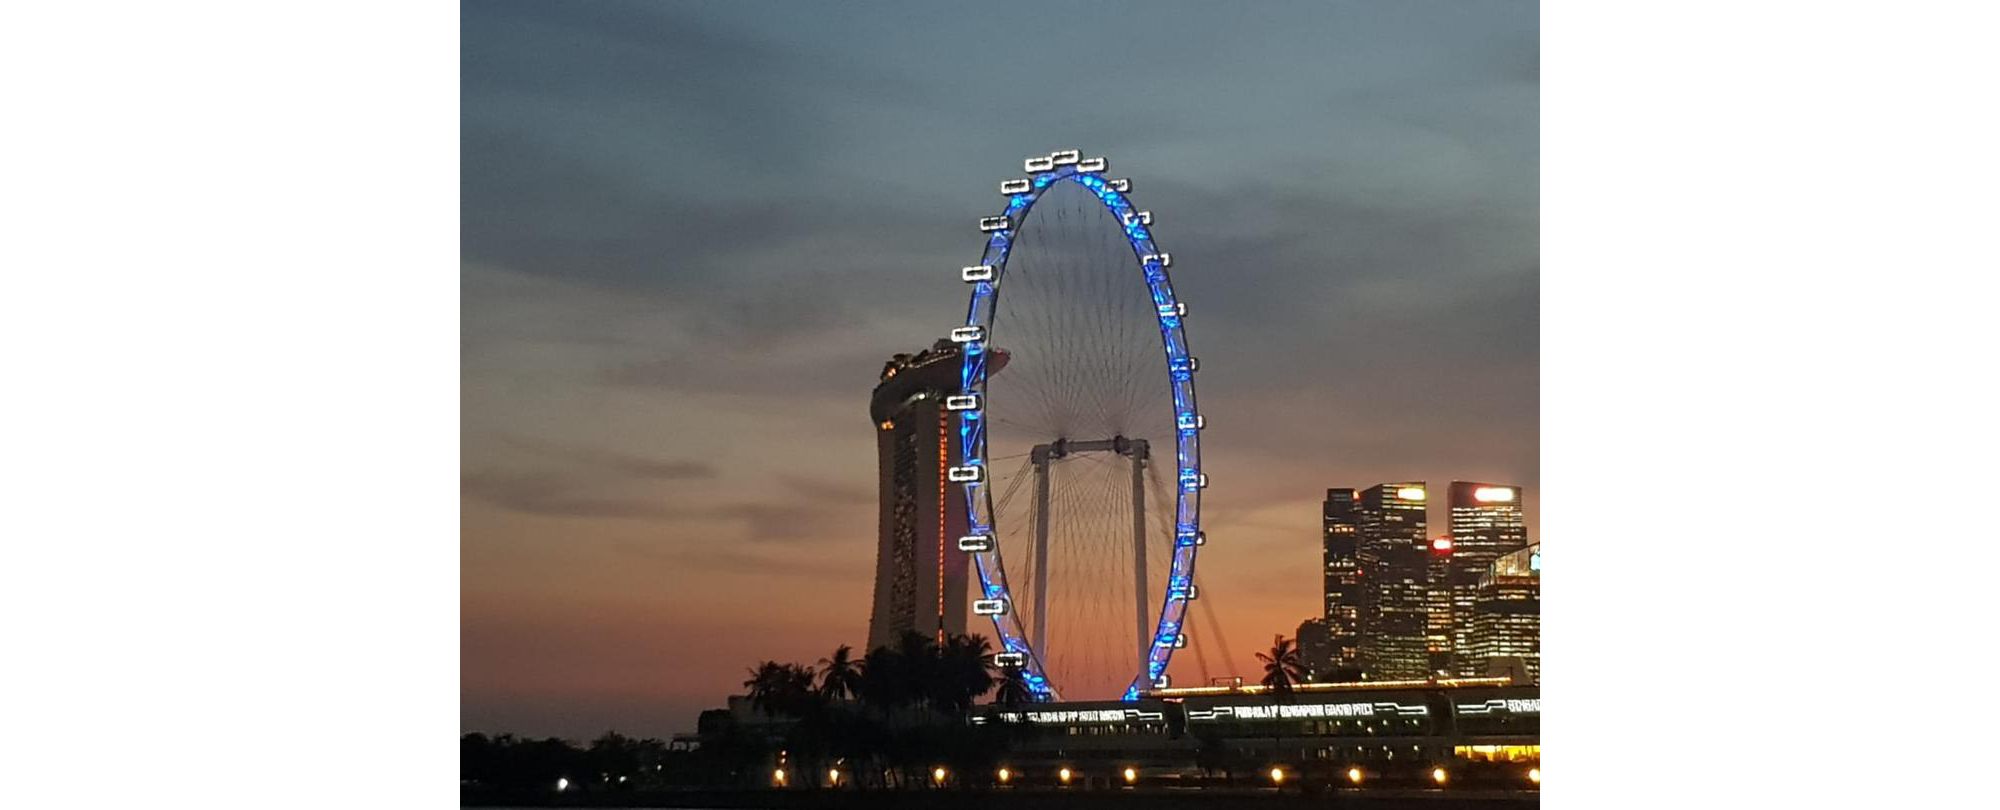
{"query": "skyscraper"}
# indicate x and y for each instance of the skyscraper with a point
(1506, 615)
(920, 575)
(1438, 614)
(1394, 570)
(1316, 651)
(1486, 524)
(1341, 523)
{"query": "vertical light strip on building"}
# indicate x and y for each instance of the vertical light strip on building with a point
(944, 463)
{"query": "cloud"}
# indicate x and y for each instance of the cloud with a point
(623, 464)
(557, 495)
(542, 493)
(818, 489)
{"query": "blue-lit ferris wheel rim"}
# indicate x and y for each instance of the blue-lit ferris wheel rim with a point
(1187, 447)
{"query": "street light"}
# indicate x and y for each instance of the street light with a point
(833, 777)
(1004, 775)
(938, 774)
(1131, 775)
(1277, 776)
(1438, 775)
(778, 777)
(1535, 775)
(1063, 775)
(1354, 775)
(562, 784)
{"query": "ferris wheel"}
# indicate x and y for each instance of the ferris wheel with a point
(1076, 385)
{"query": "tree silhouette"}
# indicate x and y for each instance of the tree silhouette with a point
(1013, 688)
(886, 680)
(1282, 668)
(781, 690)
(840, 675)
(962, 671)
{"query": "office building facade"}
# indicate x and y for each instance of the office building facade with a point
(1340, 546)
(1506, 616)
(1486, 524)
(1438, 613)
(1393, 558)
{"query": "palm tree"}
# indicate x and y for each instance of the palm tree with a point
(840, 675)
(1282, 667)
(767, 681)
(1013, 690)
(962, 673)
(885, 680)
(781, 690)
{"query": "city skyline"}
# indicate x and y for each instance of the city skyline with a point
(675, 304)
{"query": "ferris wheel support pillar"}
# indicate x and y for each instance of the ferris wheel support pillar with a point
(1040, 635)
(1138, 455)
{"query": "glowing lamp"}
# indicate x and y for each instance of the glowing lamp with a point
(1441, 545)
(1438, 775)
(937, 774)
(833, 776)
(1411, 493)
(1493, 494)
(1063, 775)
(1131, 775)
(778, 777)
(1354, 775)
(1004, 774)
(1535, 775)
(1277, 776)
(562, 784)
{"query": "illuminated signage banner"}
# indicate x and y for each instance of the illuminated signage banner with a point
(1074, 717)
(1514, 706)
(1307, 710)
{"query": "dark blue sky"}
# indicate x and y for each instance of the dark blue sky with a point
(692, 232)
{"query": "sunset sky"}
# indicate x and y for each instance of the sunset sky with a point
(693, 232)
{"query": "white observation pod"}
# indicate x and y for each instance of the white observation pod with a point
(1096, 164)
(1065, 157)
(967, 474)
(1143, 218)
(1010, 659)
(968, 334)
(973, 275)
(1173, 310)
(976, 542)
(962, 402)
(1020, 186)
(989, 607)
(1188, 421)
(1038, 164)
(1162, 259)
(1122, 185)
(991, 224)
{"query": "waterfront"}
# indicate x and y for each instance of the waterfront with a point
(1212, 798)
